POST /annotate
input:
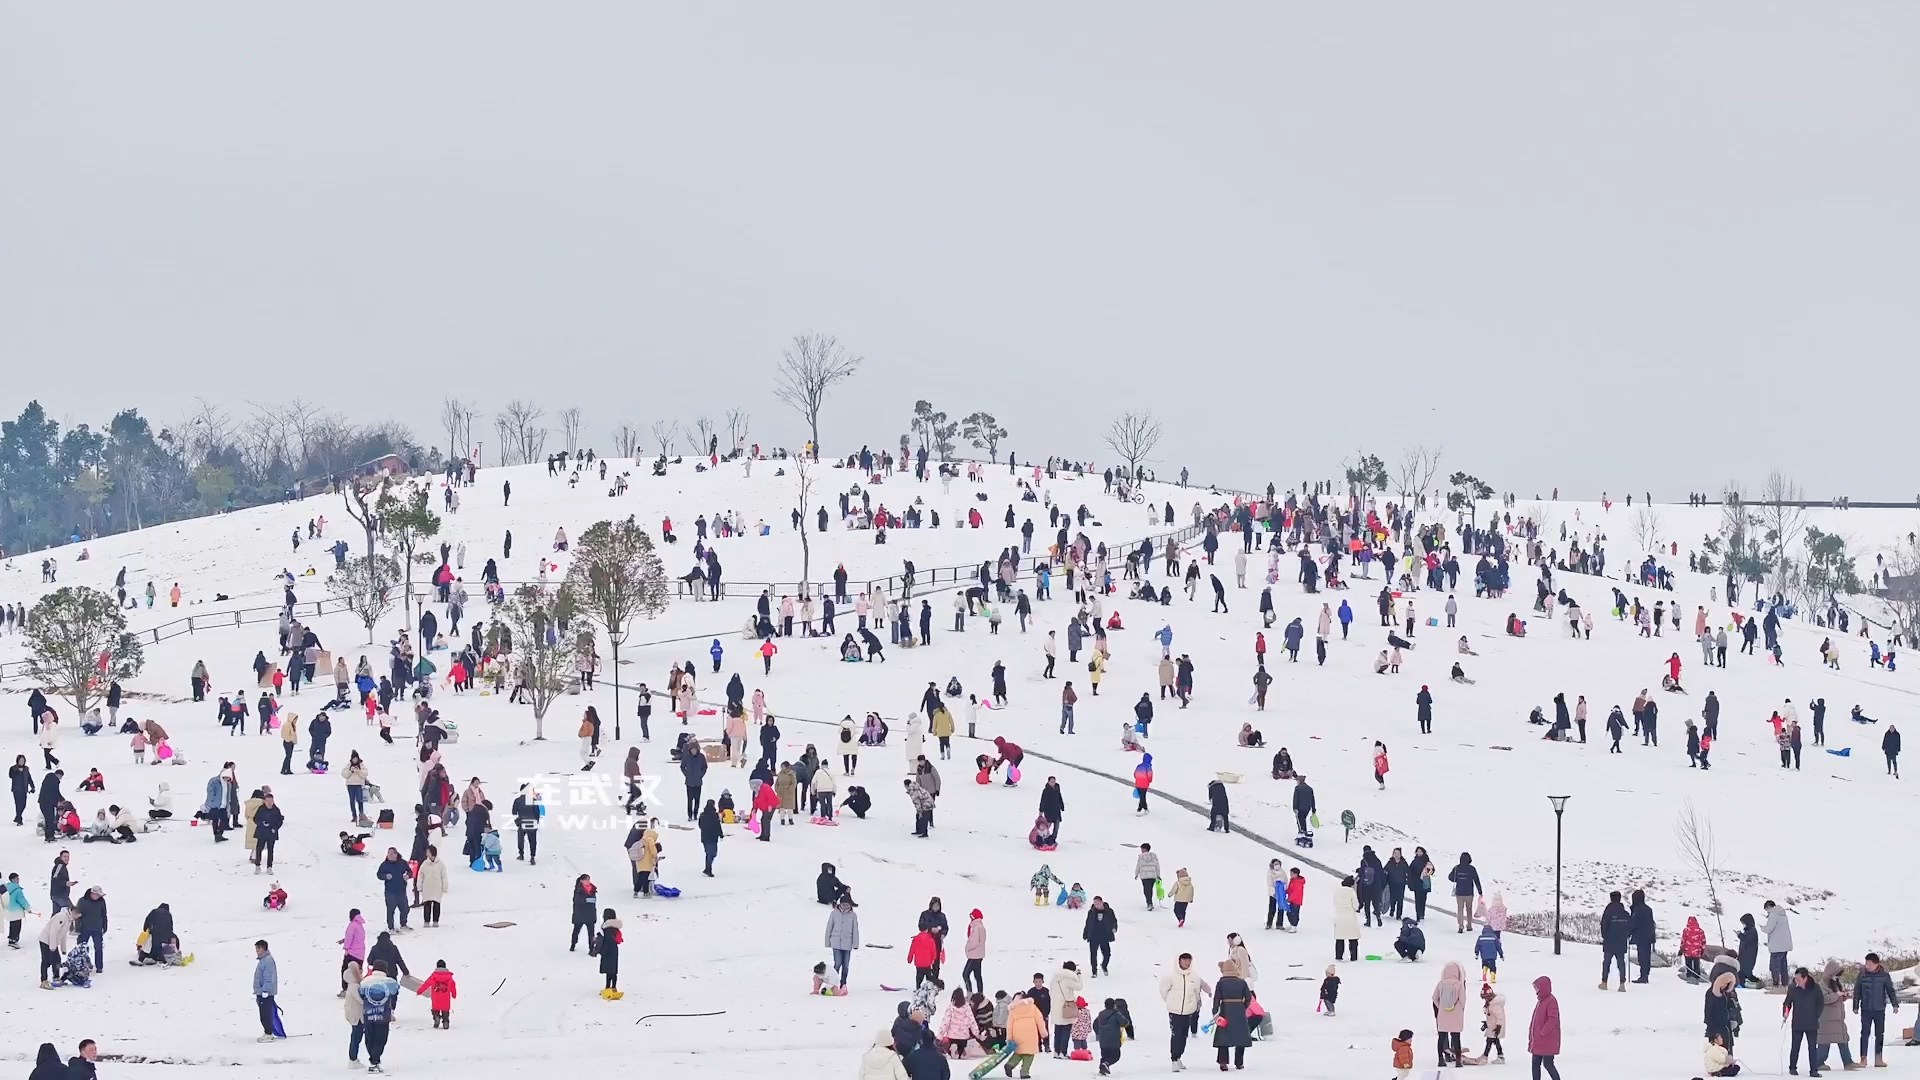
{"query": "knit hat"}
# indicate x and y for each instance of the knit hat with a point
(1079, 1003)
(975, 914)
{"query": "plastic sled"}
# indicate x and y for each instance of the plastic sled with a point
(992, 1061)
(707, 712)
(666, 892)
(1062, 898)
(1845, 751)
(1079, 1055)
(892, 989)
(1046, 847)
(823, 821)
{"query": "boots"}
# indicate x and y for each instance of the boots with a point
(1622, 987)
(1879, 1062)
(1603, 984)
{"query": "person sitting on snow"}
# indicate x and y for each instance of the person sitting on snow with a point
(1464, 648)
(1250, 737)
(1459, 675)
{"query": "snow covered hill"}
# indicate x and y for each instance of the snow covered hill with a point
(744, 941)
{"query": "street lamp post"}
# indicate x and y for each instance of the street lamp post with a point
(1559, 810)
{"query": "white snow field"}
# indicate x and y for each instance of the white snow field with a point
(742, 943)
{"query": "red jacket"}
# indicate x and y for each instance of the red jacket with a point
(925, 951)
(1142, 778)
(440, 985)
(1296, 890)
(766, 798)
(1693, 940)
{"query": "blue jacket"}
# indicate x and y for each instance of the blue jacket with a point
(715, 649)
(1346, 613)
(393, 875)
(266, 976)
(16, 898)
(377, 994)
(1487, 948)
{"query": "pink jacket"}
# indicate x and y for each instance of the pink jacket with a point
(958, 1023)
(976, 940)
(354, 941)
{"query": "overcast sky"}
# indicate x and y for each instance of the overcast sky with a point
(1599, 245)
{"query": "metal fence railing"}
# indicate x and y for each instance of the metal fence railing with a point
(925, 580)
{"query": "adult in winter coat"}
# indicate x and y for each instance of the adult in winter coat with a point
(1184, 991)
(1805, 1002)
(882, 1062)
(1833, 1016)
(1303, 804)
(1721, 1006)
(1642, 934)
(1749, 949)
(1346, 920)
(1450, 1011)
(1466, 886)
(1231, 995)
(1616, 932)
(584, 914)
(1543, 1030)
(430, 880)
(1779, 941)
(976, 952)
(1873, 994)
(1066, 986)
(843, 936)
(1102, 927)
(1423, 710)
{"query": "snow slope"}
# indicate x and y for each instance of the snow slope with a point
(744, 941)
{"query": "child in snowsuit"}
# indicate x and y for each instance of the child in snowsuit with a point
(1488, 949)
(1076, 897)
(1040, 882)
(1403, 1054)
(1329, 991)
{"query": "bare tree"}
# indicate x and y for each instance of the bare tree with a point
(700, 436)
(1784, 524)
(664, 434)
(803, 476)
(626, 441)
(546, 670)
(570, 429)
(1901, 592)
(362, 508)
(1694, 833)
(1542, 517)
(1647, 528)
(1133, 436)
(808, 370)
(208, 429)
(503, 435)
(1418, 467)
(739, 422)
(519, 424)
(453, 419)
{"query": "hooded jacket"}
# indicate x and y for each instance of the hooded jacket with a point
(1450, 1000)
(1543, 1030)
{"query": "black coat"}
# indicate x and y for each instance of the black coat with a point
(93, 915)
(1052, 805)
(1644, 932)
(1303, 799)
(926, 1062)
(1749, 947)
(388, 954)
(267, 821)
(1804, 1004)
(935, 921)
(159, 927)
(1102, 926)
(1719, 1013)
(1230, 997)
